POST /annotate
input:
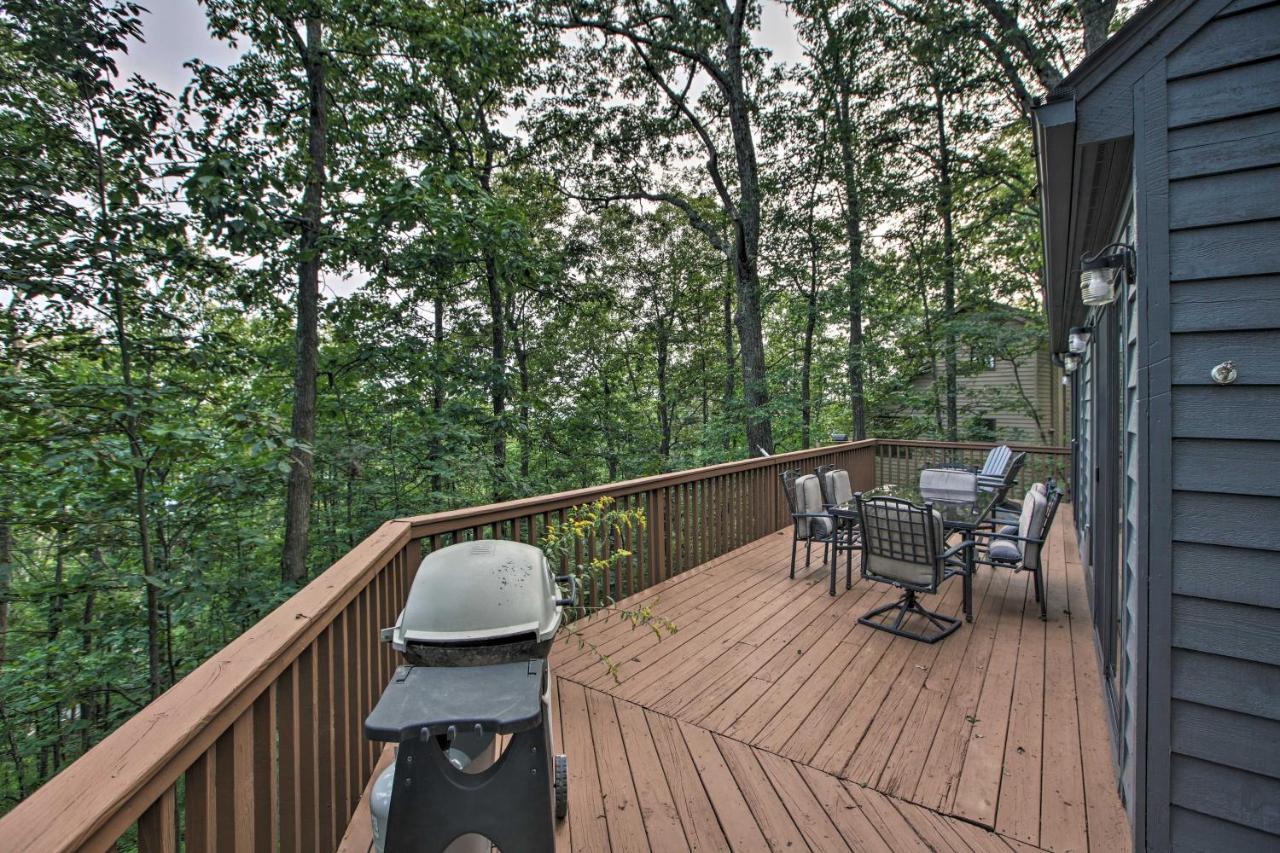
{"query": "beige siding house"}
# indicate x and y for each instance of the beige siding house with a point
(1019, 399)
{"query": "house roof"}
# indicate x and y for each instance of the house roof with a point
(1084, 147)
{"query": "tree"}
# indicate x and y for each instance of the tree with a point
(260, 129)
(836, 38)
(668, 46)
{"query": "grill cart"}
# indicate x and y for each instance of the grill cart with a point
(475, 633)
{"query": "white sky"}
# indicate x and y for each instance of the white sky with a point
(175, 32)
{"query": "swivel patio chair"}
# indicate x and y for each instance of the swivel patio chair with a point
(1021, 548)
(903, 544)
(810, 520)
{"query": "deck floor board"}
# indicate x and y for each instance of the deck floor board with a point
(772, 720)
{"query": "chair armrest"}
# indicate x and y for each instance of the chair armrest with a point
(956, 549)
(1008, 536)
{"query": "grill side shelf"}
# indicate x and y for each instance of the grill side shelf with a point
(499, 698)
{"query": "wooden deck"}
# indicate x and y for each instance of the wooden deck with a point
(772, 720)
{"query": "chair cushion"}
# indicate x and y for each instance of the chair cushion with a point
(1029, 524)
(809, 499)
(997, 461)
(1005, 551)
(948, 484)
(838, 487)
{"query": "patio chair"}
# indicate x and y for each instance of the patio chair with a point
(1021, 548)
(993, 470)
(1004, 510)
(810, 520)
(902, 544)
(837, 497)
(1008, 512)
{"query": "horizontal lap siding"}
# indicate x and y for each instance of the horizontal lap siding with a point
(1224, 256)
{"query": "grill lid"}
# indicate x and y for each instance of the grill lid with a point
(480, 593)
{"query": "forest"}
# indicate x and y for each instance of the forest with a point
(410, 255)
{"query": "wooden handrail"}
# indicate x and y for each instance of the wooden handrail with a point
(1039, 449)
(266, 734)
(437, 522)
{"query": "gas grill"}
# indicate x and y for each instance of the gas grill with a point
(475, 633)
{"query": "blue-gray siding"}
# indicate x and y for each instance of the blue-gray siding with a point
(1223, 106)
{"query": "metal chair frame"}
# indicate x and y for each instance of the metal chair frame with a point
(789, 478)
(847, 532)
(985, 538)
(915, 542)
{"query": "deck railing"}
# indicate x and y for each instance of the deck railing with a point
(900, 461)
(261, 747)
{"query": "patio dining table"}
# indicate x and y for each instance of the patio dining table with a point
(959, 515)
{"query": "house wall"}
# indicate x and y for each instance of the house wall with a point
(975, 395)
(1207, 127)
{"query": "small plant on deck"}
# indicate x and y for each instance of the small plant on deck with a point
(588, 544)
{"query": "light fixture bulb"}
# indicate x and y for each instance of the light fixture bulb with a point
(1097, 286)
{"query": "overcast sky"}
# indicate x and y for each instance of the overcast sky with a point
(175, 32)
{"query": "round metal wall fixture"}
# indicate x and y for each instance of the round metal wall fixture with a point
(1225, 373)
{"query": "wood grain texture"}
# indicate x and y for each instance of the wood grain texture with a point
(1222, 94)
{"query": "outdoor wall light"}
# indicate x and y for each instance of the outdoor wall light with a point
(1078, 340)
(1070, 362)
(1100, 272)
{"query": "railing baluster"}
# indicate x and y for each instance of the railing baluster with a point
(158, 826)
(290, 743)
(201, 833)
(266, 827)
(308, 775)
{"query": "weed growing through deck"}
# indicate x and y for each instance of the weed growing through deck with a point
(589, 544)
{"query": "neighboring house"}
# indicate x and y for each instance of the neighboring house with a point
(1015, 398)
(1168, 139)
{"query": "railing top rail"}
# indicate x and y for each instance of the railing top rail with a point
(454, 519)
(97, 798)
(1043, 449)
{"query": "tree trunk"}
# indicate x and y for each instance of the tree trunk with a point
(522, 364)
(498, 343)
(6, 576)
(746, 253)
(437, 391)
(806, 363)
(853, 241)
(498, 378)
(88, 699)
(948, 264)
(661, 351)
(1095, 19)
(131, 423)
(730, 360)
(297, 522)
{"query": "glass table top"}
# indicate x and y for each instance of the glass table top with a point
(955, 513)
